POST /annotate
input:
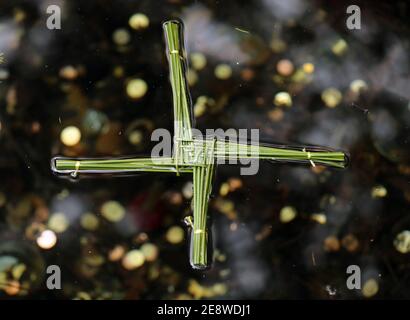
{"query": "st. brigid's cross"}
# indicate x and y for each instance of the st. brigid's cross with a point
(197, 156)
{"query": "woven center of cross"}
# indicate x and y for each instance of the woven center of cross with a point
(194, 155)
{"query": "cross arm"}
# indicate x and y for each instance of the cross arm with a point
(73, 167)
(311, 155)
(174, 40)
(202, 177)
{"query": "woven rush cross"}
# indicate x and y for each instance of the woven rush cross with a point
(194, 155)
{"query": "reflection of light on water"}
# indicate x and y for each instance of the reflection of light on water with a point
(283, 99)
(150, 251)
(67, 209)
(121, 37)
(379, 191)
(329, 128)
(133, 260)
(58, 222)
(223, 71)
(89, 221)
(370, 288)
(389, 74)
(284, 10)
(331, 290)
(138, 21)
(331, 97)
(47, 239)
(9, 38)
(385, 127)
(319, 218)
(285, 67)
(116, 253)
(402, 242)
(370, 281)
(175, 235)
(70, 136)
(136, 88)
(287, 214)
(390, 128)
(248, 271)
(197, 60)
(113, 211)
(251, 275)
(214, 39)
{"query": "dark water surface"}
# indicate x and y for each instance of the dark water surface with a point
(292, 69)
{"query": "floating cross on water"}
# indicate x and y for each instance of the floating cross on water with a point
(192, 154)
